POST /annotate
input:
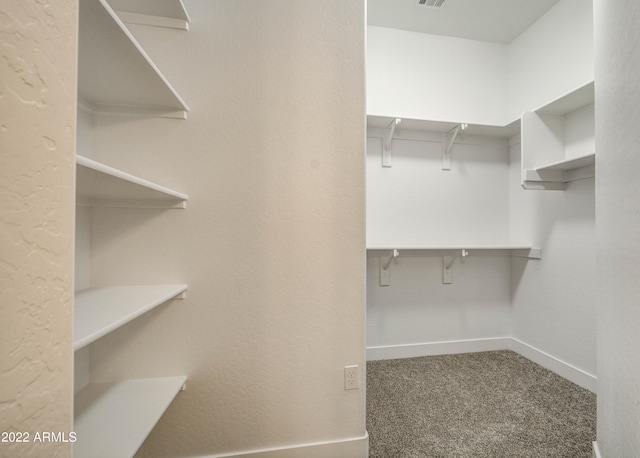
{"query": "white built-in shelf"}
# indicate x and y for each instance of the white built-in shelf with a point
(451, 250)
(158, 13)
(578, 98)
(113, 419)
(449, 255)
(382, 122)
(98, 184)
(114, 73)
(558, 140)
(98, 311)
(564, 171)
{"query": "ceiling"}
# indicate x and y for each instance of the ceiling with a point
(498, 21)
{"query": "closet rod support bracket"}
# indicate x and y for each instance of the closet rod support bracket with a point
(450, 139)
(447, 265)
(386, 142)
(385, 271)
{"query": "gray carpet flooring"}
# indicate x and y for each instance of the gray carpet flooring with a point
(490, 404)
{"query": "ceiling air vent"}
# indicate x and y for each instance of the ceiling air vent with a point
(431, 3)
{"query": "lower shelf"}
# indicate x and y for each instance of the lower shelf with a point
(474, 250)
(113, 419)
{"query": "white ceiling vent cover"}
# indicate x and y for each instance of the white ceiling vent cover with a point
(436, 4)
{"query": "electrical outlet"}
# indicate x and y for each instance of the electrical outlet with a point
(351, 377)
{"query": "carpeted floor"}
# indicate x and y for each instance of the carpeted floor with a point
(490, 404)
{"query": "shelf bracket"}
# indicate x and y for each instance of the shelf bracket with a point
(447, 264)
(385, 271)
(450, 137)
(386, 142)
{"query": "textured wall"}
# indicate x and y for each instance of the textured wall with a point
(38, 74)
(271, 243)
(617, 27)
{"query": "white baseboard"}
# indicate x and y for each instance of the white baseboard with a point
(562, 368)
(450, 347)
(596, 450)
(354, 447)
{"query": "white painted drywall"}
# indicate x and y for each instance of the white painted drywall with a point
(272, 242)
(617, 32)
(552, 57)
(37, 71)
(417, 204)
(554, 299)
(421, 76)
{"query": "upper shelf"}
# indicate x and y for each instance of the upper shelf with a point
(98, 311)
(558, 141)
(477, 250)
(98, 184)
(381, 122)
(158, 13)
(564, 171)
(114, 73)
(114, 419)
(580, 97)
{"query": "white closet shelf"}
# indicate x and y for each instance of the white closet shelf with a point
(381, 122)
(98, 184)
(158, 13)
(580, 97)
(114, 419)
(114, 73)
(564, 171)
(473, 250)
(98, 311)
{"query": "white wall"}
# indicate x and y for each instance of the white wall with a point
(38, 85)
(554, 299)
(617, 201)
(271, 243)
(416, 204)
(551, 58)
(421, 76)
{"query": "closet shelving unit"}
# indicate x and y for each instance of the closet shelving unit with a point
(116, 76)
(549, 132)
(98, 184)
(387, 128)
(449, 254)
(446, 132)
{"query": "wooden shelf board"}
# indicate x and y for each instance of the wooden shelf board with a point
(114, 419)
(480, 250)
(569, 164)
(444, 126)
(575, 99)
(99, 184)
(171, 9)
(98, 311)
(114, 70)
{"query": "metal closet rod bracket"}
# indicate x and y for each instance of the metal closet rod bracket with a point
(386, 142)
(451, 137)
(447, 264)
(385, 272)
